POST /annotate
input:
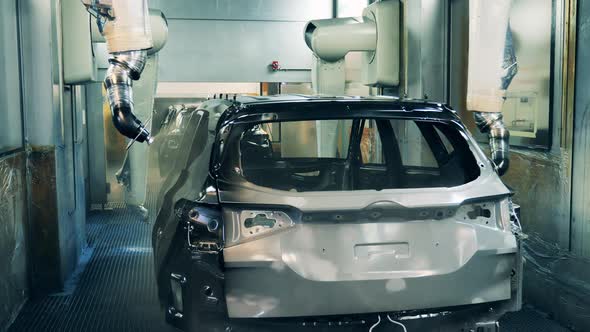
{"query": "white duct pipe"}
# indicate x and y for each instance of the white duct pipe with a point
(130, 30)
(332, 39)
(159, 29)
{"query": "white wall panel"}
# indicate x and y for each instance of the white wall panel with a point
(234, 51)
(10, 105)
(264, 10)
(38, 75)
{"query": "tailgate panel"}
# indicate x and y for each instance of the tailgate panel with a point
(345, 268)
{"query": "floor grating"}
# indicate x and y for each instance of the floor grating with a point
(115, 292)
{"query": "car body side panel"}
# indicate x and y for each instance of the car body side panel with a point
(185, 178)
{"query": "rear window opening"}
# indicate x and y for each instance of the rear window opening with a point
(359, 154)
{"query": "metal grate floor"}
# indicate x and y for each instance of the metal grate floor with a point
(115, 291)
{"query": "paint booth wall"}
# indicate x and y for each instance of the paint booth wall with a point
(552, 189)
(13, 259)
(555, 279)
(56, 154)
(236, 41)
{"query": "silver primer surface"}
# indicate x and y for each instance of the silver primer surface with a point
(370, 266)
(369, 251)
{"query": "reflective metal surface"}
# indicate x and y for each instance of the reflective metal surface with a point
(493, 125)
(340, 256)
(124, 68)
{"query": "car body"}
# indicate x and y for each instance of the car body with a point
(322, 213)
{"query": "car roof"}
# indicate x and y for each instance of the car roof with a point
(250, 107)
(299, 98)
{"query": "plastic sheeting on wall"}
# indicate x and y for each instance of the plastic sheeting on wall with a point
(563, 275)
(556, 281)
(13, 277)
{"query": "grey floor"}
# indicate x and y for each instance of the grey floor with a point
(115, 289)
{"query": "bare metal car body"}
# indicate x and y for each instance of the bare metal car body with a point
(248, 237)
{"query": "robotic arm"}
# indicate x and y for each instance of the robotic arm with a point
(125, 24)
(376, 35)
(492, 66)
(492, 60)
(134, 34)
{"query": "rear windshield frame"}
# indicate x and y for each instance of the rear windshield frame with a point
(229, 168)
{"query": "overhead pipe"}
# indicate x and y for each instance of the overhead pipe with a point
(125, 25)
(376, 35)
(332, 39)
(487, 84)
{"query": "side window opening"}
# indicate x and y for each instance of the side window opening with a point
(448, 146)
(370, 145)
(310, 139)
(413, 145)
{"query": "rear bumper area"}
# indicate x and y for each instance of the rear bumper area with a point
(323, 270)
(483, 317)
(268, 292)
(261, 294)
